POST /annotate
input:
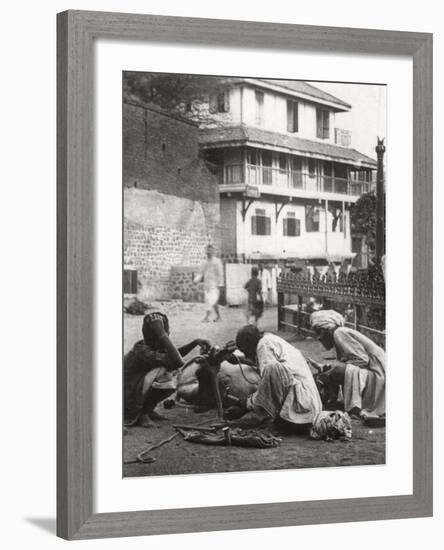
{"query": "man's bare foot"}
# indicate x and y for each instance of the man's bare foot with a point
(156, 416)
(145, 421)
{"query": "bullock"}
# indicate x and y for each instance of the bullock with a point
(215, 375)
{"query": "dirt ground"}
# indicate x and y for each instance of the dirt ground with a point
(181, 457)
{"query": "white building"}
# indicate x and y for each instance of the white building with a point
(287, 176)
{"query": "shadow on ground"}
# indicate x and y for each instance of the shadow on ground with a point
(45, 524)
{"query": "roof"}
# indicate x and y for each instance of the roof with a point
(217, 137)
(299, 86)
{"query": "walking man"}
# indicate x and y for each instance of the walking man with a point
(212, 274)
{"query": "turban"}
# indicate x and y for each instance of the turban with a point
(328, 319)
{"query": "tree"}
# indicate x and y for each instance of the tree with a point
(363, 219)
(177, 93)
(363, 216)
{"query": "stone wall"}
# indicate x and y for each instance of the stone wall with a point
(162, 232)
(182, 286)
(171, 199)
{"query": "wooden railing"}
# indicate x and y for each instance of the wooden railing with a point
(251, 174)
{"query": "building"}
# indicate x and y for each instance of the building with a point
(171, 204)
(287, 175)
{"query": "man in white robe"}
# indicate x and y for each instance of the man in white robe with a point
(364, 376)
(212, 274)
(287, 389)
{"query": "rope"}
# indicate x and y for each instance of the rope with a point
(254, 382)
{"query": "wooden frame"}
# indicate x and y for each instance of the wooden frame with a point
(77, 31)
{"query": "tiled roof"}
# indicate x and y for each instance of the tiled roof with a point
(244, 134)
(299, 86)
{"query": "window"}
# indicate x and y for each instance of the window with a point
(259, 102)
(253, 156)
(267, 167)
(292, 116)
(342, 137)
(312, 216)
(220, 102)
(296, 171)
(328, 176)
(292, 226)
(282, 163)
(260, 223)
(337, 219)
(311, 168)
(322, 123)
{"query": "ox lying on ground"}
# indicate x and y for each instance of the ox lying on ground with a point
(235, 380)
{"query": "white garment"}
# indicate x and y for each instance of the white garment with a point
(212, 273)
(287, 387)
(211, 297)
(265, 278)
(355, 382)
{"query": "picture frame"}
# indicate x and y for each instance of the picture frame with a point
(76, 33)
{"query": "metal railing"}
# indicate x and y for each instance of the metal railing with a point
(251, 174)
(359, 296)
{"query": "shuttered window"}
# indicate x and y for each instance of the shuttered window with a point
(259, 101)
(260, 223)
(292, 116)
(322, 123)
(292, 226)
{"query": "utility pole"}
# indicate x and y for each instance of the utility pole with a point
(380, 237)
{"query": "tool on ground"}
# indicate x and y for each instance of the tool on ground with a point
(143, 456)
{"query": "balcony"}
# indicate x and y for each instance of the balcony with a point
(342, 137)
(279, 179)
